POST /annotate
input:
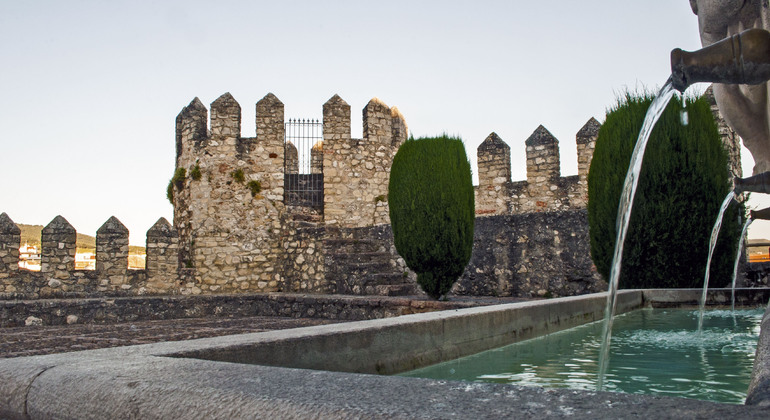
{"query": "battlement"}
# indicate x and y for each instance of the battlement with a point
(59, 278)
(545, 189)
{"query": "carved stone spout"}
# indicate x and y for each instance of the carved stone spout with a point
(759, 183)
(744, 106)
(740, 59)
(763, 214)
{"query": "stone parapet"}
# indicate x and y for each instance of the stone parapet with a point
(112, 252)
(541, 254)
(356, 171)
(544, 190)
(58, 249)
(162, 260)
(10, 241)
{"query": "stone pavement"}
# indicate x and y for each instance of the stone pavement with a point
(34, 340)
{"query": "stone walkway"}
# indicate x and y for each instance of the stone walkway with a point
(29, 341)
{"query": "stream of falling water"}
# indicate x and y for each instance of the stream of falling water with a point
(656, 109)
(712, 244)
(738, 259)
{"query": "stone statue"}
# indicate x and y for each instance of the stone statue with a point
(746, 108)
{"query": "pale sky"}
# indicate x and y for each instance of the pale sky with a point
(89, 90)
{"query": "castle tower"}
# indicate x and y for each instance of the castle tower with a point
(494, 166)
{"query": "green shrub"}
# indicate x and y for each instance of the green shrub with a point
(684, 180)
(432, 210)
(255, 187)
(176, 181)
(238, 176)
(195, 172)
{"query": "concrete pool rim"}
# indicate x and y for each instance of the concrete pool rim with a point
(172, 378)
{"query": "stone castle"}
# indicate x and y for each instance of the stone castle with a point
(238, 229)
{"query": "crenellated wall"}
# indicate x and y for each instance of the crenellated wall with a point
(233, 233)
(356, 171)
(112, 277)
(545, 189)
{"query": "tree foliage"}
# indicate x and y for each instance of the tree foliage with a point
(432, 211)
(683, 182)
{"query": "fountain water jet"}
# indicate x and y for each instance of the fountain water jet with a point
(738, 260)
(656, 109)
(712, 244)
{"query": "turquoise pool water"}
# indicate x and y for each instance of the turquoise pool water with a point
(654, 351)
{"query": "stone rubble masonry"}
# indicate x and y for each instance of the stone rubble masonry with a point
(539, 254)
(586, 143)
(229, 236)
(544, 189)
(112, 252)
(304, 256)
(58, 277)
(162, 257)
(494, 163)
(10, 241)
(58, 240)
(356, 171)
(292, 158)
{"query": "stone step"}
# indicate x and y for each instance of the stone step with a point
(386, 279)
(365, 268)
(397, 290)
(351, 246)
(314, 218)
(361, 258)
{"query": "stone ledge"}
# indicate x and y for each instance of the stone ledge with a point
(129, 309)
(143, 382)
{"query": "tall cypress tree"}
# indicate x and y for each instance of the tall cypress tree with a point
(684, 180)
(432, 211)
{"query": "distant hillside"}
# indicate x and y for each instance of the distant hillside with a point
(30, 234)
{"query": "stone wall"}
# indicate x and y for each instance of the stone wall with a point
(356, 171)
(540, 254)
(545, 189)
(130, 309)
(112, 277)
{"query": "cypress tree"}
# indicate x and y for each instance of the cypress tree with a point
(684, 179)
(432, 211)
